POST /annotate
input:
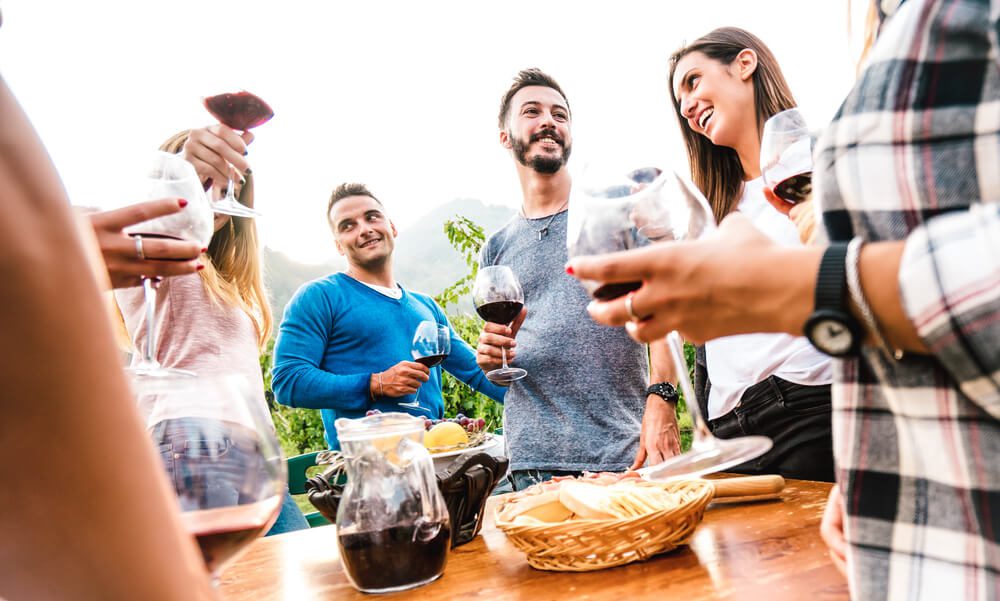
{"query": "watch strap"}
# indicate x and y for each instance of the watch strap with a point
(831, 281)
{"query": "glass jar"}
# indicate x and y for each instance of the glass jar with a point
(392, 523)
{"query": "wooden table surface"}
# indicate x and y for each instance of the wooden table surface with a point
(767, 550)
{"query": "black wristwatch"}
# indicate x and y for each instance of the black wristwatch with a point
(831, 328)
(664, 390)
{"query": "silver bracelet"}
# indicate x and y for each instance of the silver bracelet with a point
(858, 297)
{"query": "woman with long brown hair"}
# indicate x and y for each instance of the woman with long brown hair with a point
(724, 86)
(218, 320)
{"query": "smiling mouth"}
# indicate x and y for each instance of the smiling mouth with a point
(547, 139)
(370, 243)
(705, 116)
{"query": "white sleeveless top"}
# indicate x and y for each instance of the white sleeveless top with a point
(736, 363)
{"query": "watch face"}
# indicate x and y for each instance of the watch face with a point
(832, 337)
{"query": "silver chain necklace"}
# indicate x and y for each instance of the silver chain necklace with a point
(545, 228)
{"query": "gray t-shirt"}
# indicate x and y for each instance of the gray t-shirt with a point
(580, 406)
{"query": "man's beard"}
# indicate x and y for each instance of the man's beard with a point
(541, 164)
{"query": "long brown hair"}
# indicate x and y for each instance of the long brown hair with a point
(717, 170)
(234, 274)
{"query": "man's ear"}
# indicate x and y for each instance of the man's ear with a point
(392, 226)
(505, 139)
(746, 63)
(340, 249)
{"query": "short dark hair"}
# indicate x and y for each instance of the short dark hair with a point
(348, 189)
(524, 79)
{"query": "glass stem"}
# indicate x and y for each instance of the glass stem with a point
(701, 431)
(503, 356)
(149, 288)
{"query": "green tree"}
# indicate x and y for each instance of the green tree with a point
(299, 430)
(467, 238)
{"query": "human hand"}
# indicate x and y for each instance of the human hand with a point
(832, 529)
(399, 380)
(161, 257)
(659, 438)
(496, 337)
(801, 213)
(804, 216)
(736, 281)
(216, 151)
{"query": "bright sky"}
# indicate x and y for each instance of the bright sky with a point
(400, 95)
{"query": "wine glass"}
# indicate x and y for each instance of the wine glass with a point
(786, 156)
(625, 213)
(170, 175)
(498, 298)
(221, 456)
(240, 111)
(431, 343)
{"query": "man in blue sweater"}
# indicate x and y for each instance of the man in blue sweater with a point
(344, 343)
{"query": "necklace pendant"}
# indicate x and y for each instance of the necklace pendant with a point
(542, 233)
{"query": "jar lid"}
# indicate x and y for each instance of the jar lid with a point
(380, 425)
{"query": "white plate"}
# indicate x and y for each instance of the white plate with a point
(489, 442)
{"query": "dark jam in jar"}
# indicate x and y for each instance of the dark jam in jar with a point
(394, 558)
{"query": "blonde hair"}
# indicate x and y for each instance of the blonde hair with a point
(234, 274)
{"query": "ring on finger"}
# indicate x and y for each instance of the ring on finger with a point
(629, 299)
(138, 247)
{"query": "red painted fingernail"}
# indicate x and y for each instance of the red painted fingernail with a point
(182, 202)
(200, 267)
(204, 250)
(569, 269)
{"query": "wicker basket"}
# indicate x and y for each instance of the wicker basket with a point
(584, 545)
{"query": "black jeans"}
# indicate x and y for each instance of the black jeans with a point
(796, 417)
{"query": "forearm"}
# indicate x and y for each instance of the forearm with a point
(878, 270)
(63, 384)
(461, 363)
(308, 387)
(661, 367)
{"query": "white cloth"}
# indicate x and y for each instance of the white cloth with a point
(736, 363)
(394, 292)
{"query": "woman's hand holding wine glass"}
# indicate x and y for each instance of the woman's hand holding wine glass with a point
(171, 176)
(239, 111)
(612, 217)
(217, 151)
(160, 257)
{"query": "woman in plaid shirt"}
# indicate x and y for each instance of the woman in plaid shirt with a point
(910, 167)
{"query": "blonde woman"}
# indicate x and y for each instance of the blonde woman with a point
(218, 319)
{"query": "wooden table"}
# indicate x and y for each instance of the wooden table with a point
(769, 550)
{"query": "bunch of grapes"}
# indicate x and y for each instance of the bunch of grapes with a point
(471, 424)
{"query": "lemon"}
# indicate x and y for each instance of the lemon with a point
(445, 434)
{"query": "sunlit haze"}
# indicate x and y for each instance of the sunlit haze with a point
(400, 95)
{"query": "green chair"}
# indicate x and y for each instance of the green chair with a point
(297, 467)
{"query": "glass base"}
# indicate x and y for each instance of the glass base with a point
(229, 207)
(709, 456)
(396, 589)
(505, 374)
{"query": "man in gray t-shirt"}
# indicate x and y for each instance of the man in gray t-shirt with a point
(583, 404)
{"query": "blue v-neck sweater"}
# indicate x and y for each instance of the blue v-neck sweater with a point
(337, 332)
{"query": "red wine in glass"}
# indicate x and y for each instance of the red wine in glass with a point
(502, 312)
(223, 532)
(608, 292)
(431, 360)
(240, 110)
(794, 189)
